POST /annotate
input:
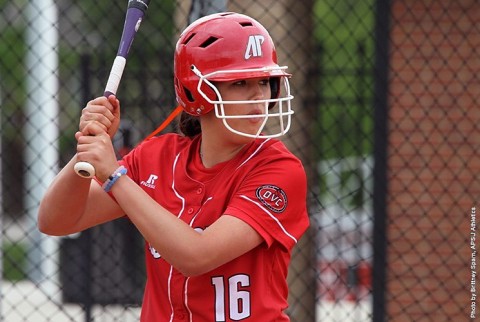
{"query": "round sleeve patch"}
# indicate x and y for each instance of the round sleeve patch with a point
(272, 197)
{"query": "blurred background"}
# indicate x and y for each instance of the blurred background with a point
(386, 123)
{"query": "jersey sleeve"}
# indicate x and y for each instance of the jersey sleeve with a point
(272, 199)
(129, 161)
(143, 155)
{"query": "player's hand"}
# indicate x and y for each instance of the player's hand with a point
(102, 111)
(96, 148)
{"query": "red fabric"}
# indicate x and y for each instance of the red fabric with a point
(264, 185)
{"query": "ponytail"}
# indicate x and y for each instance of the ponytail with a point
(189, 125)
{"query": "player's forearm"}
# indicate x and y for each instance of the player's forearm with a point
(64, 202)
(177, 242)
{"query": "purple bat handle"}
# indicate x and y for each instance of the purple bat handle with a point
(132, 23)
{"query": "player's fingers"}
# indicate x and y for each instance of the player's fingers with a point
(88, 142)
(96, 114)
(92, 147)
(93, 129)
(91, 116)
(111, 103)
(78, 134)
(98, 151)
(95, 111)
(85, 125)
(105, 112)
(107, 107)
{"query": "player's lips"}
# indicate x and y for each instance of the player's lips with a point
(257, 116)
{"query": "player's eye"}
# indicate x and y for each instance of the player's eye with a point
(240, 82)
(265, 81)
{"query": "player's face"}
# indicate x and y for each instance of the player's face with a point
(246, 90)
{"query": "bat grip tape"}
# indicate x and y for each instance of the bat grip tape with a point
(115, 75)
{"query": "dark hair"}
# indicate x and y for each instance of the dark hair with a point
(189, 125)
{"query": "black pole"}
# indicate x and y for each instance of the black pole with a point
(380, 247)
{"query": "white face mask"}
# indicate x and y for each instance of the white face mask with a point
(276, 119)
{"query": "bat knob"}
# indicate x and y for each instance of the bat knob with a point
(84, 169)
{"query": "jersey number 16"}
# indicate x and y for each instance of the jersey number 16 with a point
(238, 298)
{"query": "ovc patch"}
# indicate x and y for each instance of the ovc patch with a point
(272, 197)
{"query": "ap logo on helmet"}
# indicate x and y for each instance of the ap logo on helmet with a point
(254, 46)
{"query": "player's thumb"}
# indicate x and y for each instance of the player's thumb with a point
(116, 115)
(115, 104)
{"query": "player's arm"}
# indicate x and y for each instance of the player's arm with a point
(190, 252)
(244, 226)
(72, 203)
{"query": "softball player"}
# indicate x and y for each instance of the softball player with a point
(221, 204)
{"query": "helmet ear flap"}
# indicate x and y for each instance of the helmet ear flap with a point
(192, 101)
(184, 96)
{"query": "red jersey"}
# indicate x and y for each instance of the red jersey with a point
(263, 185)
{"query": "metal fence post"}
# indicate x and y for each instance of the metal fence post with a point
(41, 133)
(380, 160)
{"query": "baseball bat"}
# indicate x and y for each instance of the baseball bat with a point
(135, 11)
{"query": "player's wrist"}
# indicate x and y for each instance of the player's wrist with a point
(113, 178)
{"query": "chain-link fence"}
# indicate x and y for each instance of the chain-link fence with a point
(385, 122)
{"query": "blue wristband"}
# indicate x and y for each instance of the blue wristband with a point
(107, 185)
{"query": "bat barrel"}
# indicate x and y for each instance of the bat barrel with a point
(133, 20)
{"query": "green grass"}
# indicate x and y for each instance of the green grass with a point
(345, 116)
(14, 261)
